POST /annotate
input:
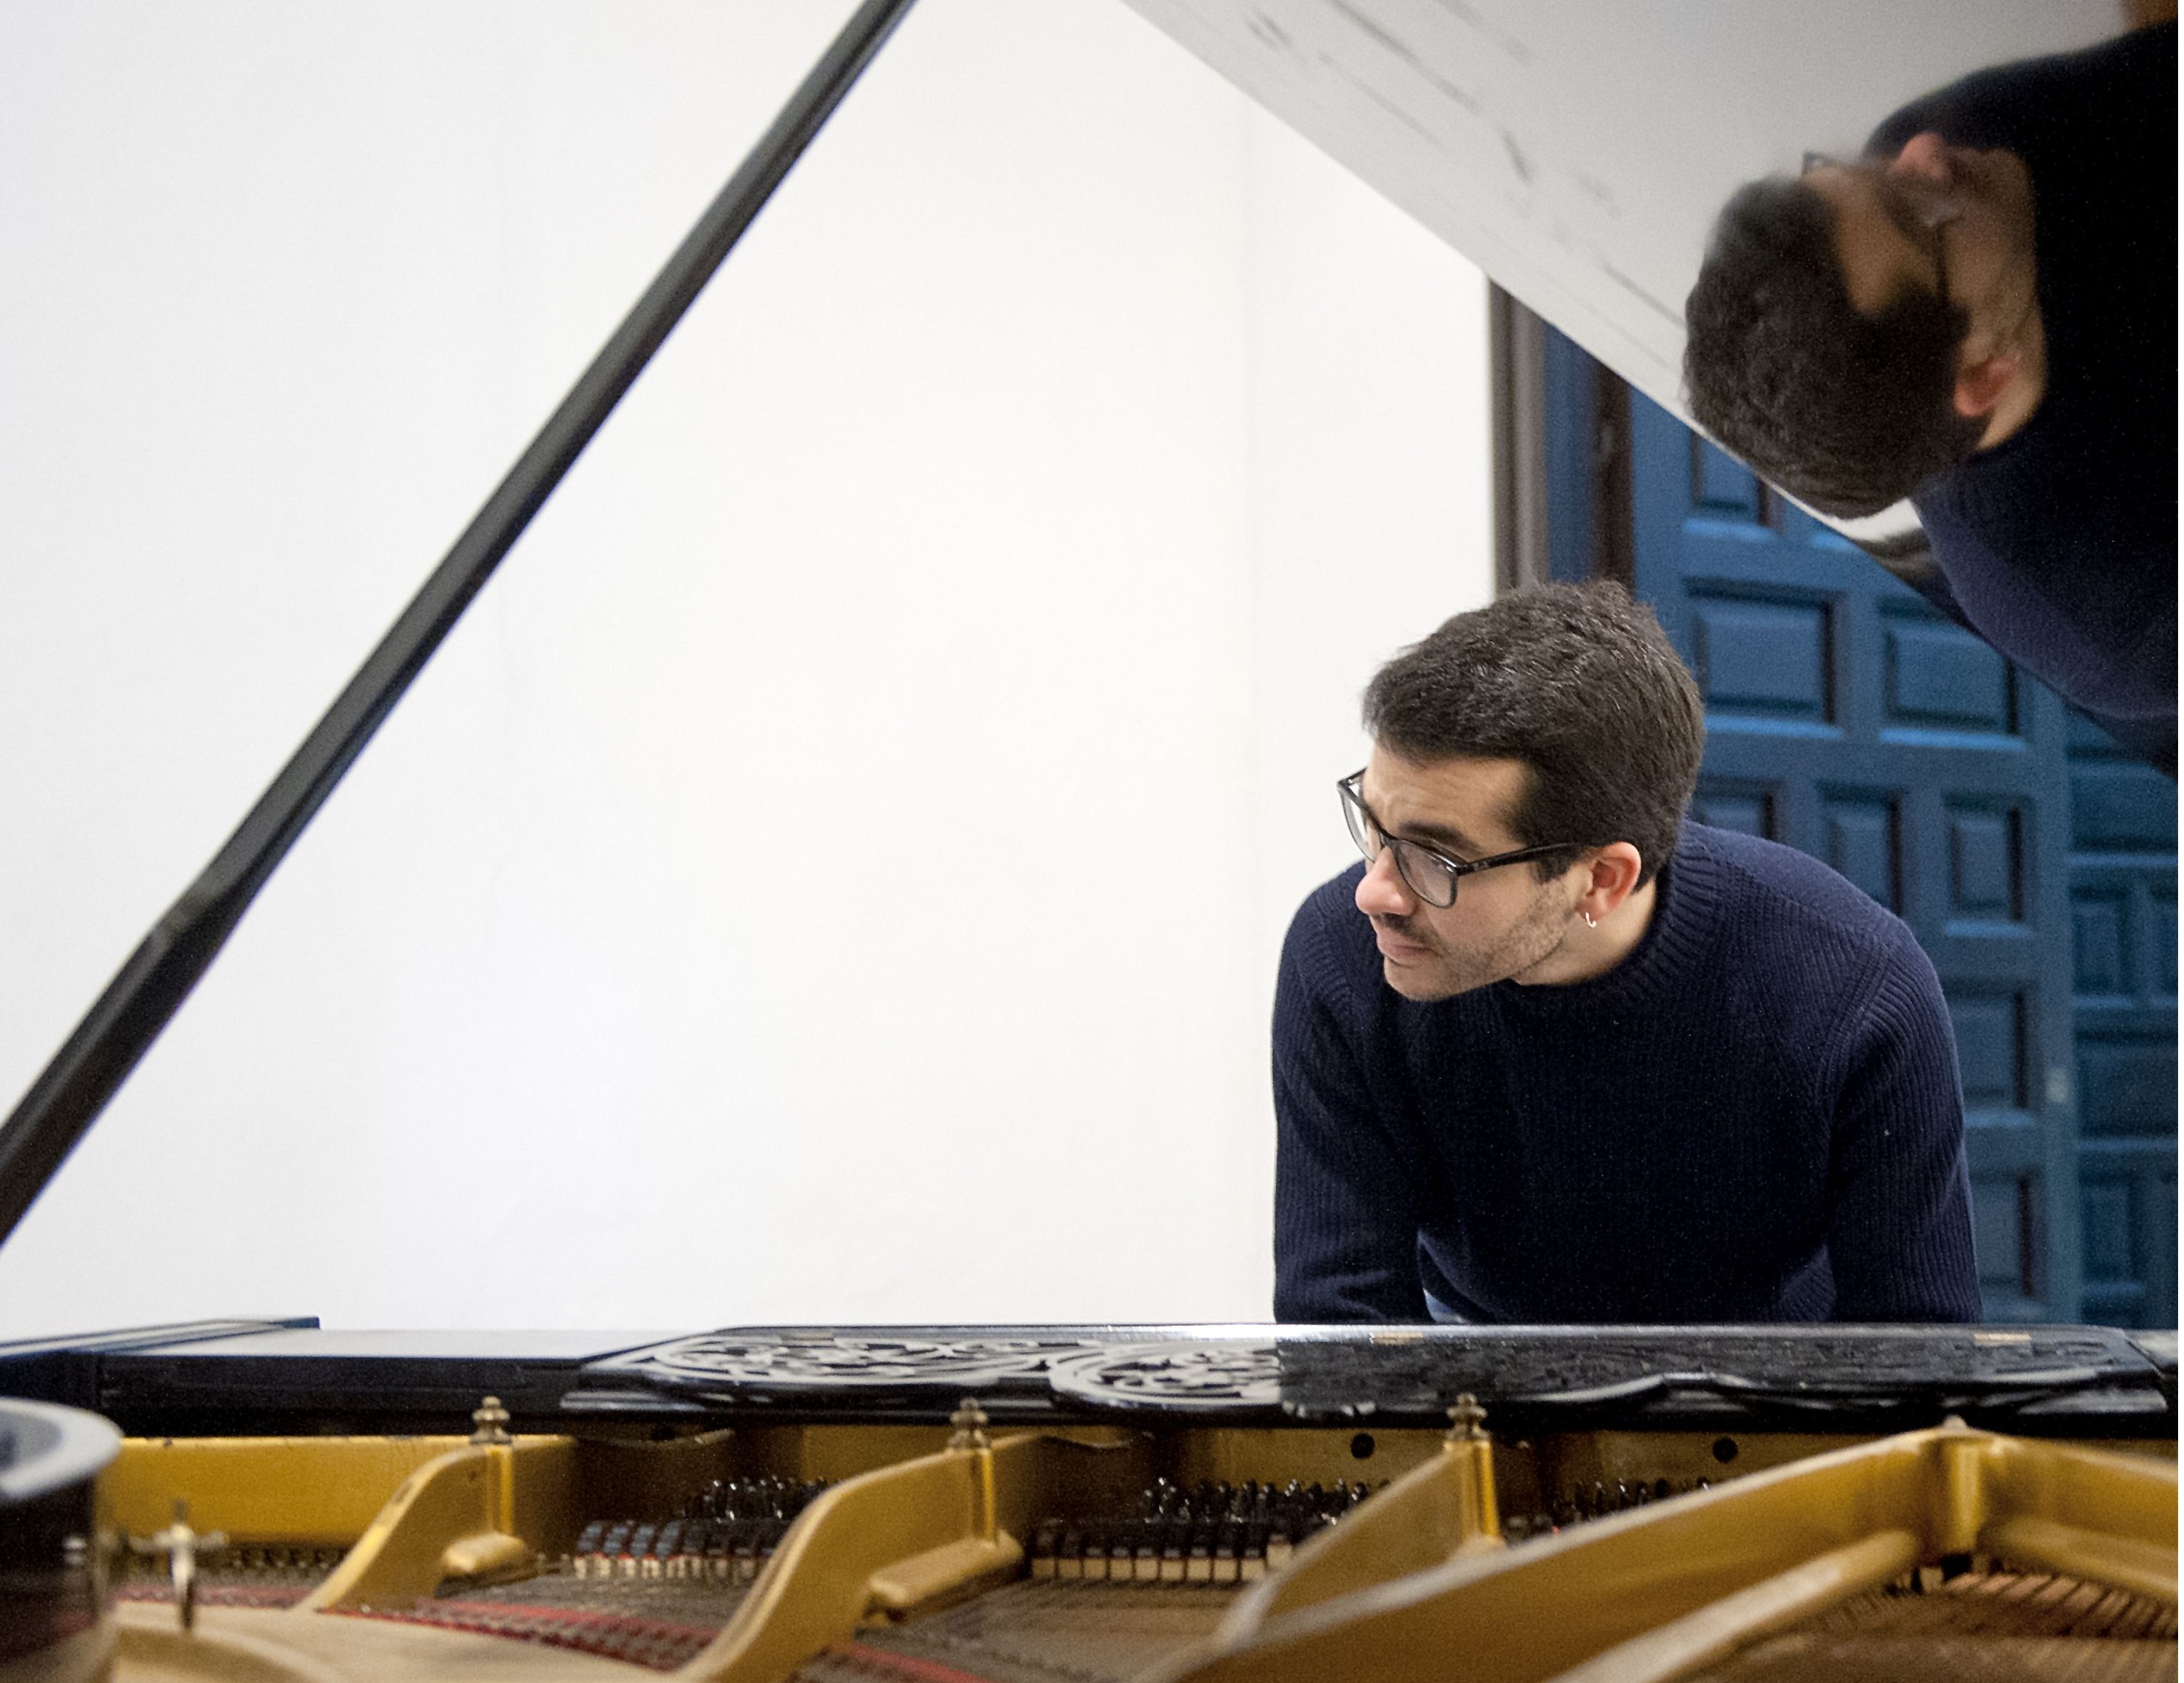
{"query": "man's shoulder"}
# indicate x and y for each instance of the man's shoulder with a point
(1997, 106)
(1331, 905)
(1329, 939)
(1763, 882)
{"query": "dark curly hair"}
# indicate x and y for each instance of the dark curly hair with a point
(1845, 411)
(1580, 683)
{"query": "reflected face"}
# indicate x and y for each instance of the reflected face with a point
(1947, 220)
(1505, 922)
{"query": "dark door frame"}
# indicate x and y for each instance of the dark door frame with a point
(1555, 517)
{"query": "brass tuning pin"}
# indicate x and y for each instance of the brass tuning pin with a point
(970, 1424)
(489, 1423)
(1467, 1420)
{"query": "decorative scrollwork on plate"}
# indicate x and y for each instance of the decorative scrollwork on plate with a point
(1399, 1375)
(1222, 1375)
(812, 1366)
(1340, 1377)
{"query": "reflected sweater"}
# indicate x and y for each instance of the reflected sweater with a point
(2060, 543)
(1755, 1117)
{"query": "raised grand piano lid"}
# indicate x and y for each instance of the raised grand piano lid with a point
(76, 1084)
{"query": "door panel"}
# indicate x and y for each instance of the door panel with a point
(2034, 860)
(1848, 719)
(2123, 921)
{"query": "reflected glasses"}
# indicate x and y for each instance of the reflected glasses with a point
(1921, 213)
(1427, 873)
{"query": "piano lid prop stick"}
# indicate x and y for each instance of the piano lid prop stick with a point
(74, 1087)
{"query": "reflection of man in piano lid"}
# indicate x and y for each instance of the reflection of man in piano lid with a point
(1981, 314)
(1552, 1054)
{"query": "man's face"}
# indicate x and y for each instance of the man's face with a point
(1947, 220)
(1505, 921)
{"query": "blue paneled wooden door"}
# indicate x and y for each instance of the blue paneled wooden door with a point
(1846, 717)
(2123, 918)
(2035, 861)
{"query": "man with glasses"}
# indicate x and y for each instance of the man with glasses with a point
(1551, 1054)
(1981, 314)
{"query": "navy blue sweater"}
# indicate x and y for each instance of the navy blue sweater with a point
(1754, 1117)
(2060, 543)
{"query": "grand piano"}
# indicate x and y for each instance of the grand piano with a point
(1015, 1503)
(274, 1499)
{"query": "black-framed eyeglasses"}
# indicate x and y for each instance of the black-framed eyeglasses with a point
(1922, 214)
(1428, 873)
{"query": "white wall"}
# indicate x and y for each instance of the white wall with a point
(836, 870)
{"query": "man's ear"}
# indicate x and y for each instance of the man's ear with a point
(1979, 384)
(1611, 875)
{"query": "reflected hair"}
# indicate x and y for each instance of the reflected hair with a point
(1580, 684)
(1847, 412)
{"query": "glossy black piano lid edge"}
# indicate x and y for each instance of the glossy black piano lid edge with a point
(216, 1377)
(65, 1369)
(142, 1337)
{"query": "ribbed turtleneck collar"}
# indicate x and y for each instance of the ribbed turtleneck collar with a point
(1685, 908)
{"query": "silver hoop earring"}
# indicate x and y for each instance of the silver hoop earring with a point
(1590, 922)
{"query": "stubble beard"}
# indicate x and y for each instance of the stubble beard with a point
(1535, 936)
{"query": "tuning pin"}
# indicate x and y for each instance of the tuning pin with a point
(489, 1423)
(970, 1423)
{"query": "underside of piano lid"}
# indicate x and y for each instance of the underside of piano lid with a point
(1576, 151)
(1071, 1504)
